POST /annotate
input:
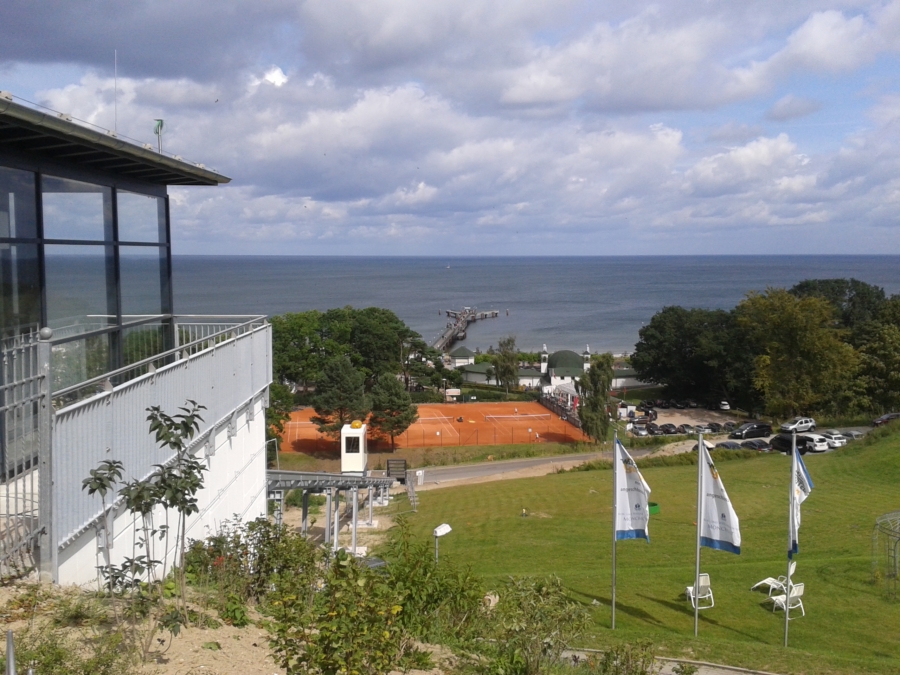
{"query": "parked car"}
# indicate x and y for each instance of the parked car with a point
(724, 405)
(668, 429)
(714, 427)
(729, 426)
(685, 429)
(884, 419)
(678, 405)
(751, 430)
(835, 438)
(729, 445)
(663, 404)
(643, 419)
(639, 431)
(709, 446)
(758, 444)
(702, 429)
(691, 403)
(653, 429)
(647, 403)
(852, 435)
(819, 442)
(799, 424)
(782, 443)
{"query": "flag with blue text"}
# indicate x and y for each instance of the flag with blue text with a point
(802, 486)
(719, 526)
(632, 495)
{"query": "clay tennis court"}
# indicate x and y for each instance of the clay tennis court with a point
(450, 424)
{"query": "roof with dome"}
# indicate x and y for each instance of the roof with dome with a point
(565, 358)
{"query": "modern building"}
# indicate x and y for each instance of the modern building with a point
(90, 340)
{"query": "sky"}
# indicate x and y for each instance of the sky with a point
(466, 127)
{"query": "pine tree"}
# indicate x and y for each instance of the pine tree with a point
(392, 409)
(340, 397)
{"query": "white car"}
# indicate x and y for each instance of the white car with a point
(819, 442)
(853, 435)
(723, 405)
(799, 424)
(835, 438)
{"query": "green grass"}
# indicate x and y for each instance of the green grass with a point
(849, 628)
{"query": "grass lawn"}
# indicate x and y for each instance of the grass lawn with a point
(849, 627)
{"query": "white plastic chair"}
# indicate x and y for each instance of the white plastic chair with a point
(795, 601)
(775, 584)
(704, 593)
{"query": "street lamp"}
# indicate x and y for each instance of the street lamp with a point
(439, 532)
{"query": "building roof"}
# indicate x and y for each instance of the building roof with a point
(567, 372)
(478, 367)
(461, 351)
(566, 358)
(54, 137)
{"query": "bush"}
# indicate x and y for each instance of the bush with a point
(625, 659)
(441, 603)
(51, 651)
(351, 627)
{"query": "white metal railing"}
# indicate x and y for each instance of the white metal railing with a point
(224, 370)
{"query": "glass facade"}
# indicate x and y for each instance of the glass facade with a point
(90, 261)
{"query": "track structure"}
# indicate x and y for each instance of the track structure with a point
(459, 321)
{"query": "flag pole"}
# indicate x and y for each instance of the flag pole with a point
(615, 453)
(699, 524)
(787, 583)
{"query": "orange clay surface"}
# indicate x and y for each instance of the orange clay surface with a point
(439, 425)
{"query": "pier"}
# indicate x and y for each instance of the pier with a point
(456, 328)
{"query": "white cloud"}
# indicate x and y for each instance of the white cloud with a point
(790, 107)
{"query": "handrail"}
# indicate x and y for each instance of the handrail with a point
(99, 379)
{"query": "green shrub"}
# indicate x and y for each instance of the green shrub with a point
(52, 651)
(625, 659)
(349, 627)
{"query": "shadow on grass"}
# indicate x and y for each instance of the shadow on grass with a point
(683, 608)
(620, 607)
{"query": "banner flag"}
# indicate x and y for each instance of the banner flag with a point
(803, 485)
(719, 526)
(632, 495)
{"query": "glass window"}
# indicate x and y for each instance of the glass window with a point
(17, 212)
(141, 217)
(80, 288)
(20, 288)
(141, 271)
(76, 210)
(79, 360)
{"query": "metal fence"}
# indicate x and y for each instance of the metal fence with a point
(223, 370)
(570, 415)
(24, 432)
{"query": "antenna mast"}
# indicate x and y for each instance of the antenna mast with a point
(116, 91)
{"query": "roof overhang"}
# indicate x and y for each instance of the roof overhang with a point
(31, 131)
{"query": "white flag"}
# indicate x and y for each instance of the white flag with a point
(632, 494)
(719, 526)
(802, 487)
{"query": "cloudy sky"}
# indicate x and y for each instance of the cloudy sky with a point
(419, 127)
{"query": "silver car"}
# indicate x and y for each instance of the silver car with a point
(799, 424)
(835, 438)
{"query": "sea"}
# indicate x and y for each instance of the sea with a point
(560, 302)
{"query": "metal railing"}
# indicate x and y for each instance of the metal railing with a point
(24, 432)
(145, 350)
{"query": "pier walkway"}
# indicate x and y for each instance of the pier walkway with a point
(456, 328)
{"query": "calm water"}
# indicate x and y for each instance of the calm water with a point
(563, 302)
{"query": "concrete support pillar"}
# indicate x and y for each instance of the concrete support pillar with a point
(370, 497)
(304, 528)
(337, 518)
(355, 516)
(328, 500)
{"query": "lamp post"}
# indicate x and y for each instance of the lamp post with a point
(439, 532)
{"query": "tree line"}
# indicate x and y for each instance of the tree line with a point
(824, 346)
(360, 363)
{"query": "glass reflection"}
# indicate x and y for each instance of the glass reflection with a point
(17, 207)
(140, 217)
(76, 210)
(80, 288)
(20, 289)
(141, 274)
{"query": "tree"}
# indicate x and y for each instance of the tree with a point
(297, 349)
(507, 363)
(392, 408)
(489, 374)
(593, 389)
(880, 368)
(804, 366)
(855, 302)
(340, 397)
